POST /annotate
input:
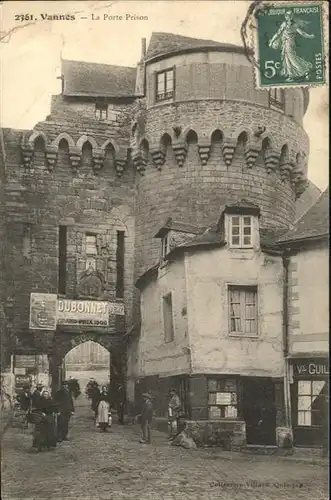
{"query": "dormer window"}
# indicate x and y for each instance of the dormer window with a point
(101, 111)
(165, 84)
(165, 246)
(241, 231)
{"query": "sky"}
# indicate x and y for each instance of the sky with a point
(30, 53)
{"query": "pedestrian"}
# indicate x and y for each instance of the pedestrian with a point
(36, 396)
(103, 410)
(65, 408)
(74, 387)
(44, 436)
(24, 399)
(92, 391)
(146, 418)
(174, 413)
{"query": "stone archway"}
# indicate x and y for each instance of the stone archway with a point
(64, 342)
(86, 360)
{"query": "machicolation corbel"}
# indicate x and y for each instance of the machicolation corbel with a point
(285, 170)
(271, 160)
(51, 157)
(27, 154)
(204, 151)
(98, 159)
(158, 156)
(75, 158)
(252, 149)
(139, 161)
(228, 149)
(180, 150)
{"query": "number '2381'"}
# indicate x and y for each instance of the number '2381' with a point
(271, 68)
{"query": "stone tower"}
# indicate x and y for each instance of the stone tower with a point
(203, 135)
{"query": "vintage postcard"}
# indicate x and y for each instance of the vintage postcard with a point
(164, 250)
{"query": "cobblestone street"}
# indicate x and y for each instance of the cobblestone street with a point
(116, 466)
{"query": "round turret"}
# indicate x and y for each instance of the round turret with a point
(205, 136)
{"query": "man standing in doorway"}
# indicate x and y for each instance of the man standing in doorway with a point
(65, 408)
(174, 413)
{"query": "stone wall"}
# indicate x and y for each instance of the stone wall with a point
(228, 434)
(59, 175)
(216, 158)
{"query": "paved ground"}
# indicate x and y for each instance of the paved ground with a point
(95, 466)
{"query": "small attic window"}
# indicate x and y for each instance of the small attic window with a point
(241, 231)
(101, 111)
(165, 246)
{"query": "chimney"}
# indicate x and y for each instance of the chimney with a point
(143, 48)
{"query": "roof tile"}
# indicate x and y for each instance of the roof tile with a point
(97, 80)
(165, 43)
(314, 223)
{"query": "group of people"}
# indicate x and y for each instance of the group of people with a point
(101, 406)
(146, 416)
(49, 415)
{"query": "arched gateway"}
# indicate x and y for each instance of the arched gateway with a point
(63, 343)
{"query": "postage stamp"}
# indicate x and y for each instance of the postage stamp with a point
(290, 45)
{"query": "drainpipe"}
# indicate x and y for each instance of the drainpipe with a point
(189, 349)
(287, 389)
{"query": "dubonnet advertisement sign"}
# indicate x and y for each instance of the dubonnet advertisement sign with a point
(47, 311)
(43, 311)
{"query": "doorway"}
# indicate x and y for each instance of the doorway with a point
(259, 410)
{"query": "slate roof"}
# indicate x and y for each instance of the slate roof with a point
(165, 43)
(307, 199)
(313, 224)
(213, 236)
(210, 237)
(97, 80)
(181, 227)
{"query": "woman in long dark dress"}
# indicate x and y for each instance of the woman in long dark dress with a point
(45, 429)
(103, 410)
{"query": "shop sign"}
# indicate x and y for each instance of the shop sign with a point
(20, 371)
(223, 398)
(47, 311)
(22, 380)
(43, 311)
(82, 312)
(24, 361)
(310, 368)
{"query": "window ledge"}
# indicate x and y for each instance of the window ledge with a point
(276, 108)
(244, 335)
(163, 101)
(232, 247)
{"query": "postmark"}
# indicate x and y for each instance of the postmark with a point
(289, 44)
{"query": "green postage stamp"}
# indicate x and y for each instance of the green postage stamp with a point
(290, 45)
